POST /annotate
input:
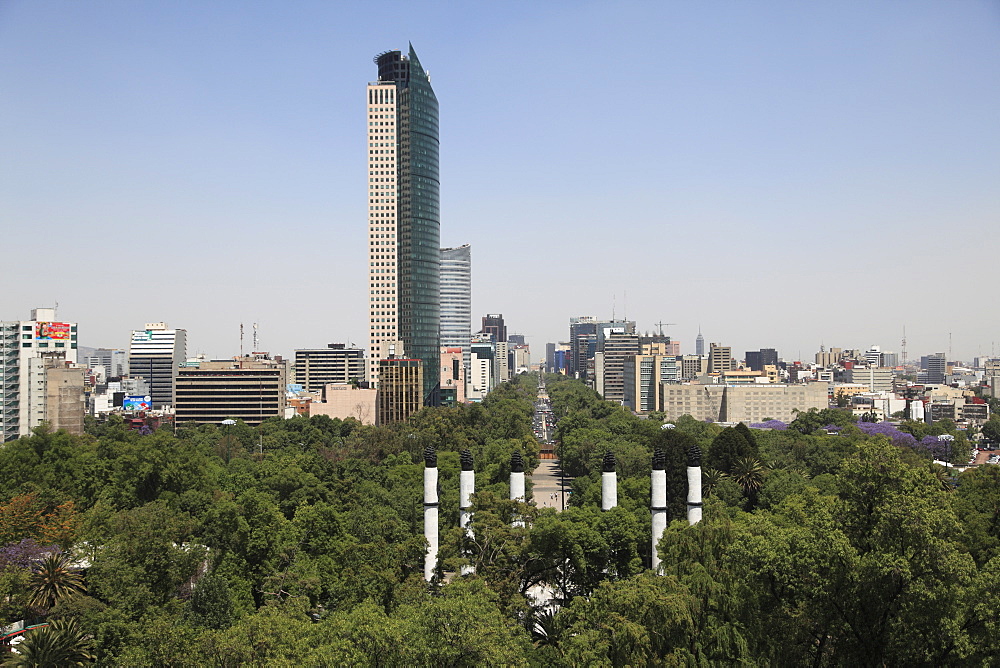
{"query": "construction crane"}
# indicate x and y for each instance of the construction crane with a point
(661, 325)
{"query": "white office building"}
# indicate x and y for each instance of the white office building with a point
(32, 352)
(155, 353)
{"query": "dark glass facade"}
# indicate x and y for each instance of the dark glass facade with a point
(418, 249)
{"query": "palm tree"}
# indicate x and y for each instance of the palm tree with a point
(545, 628)
(61, 643)
(52, 581)
(748, 473)
(710, 478)
(943, 478)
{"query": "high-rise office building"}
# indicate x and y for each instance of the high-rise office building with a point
(404, 223)
(399, 395)
(483, 375)
(31, 354)
(937, 368)
(456, 299)
(155, 353)
(644, 377)
(336, 363)
(720, 358)
(609, 364)
(493, 324)
(758, 359)
(699, 344)
(114, 362)
(582, 343)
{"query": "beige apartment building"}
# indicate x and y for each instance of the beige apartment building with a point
(645, 377)
(720, 358)
(344, 401)
(742, 403)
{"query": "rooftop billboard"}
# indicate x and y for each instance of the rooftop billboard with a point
(137, 402)
(48, 331)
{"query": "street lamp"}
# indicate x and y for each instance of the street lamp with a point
(946, 440)
(228, 424)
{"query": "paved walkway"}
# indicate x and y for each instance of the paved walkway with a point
(546, 485)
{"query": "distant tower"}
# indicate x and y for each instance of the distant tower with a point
(699, 343)
(493, 324)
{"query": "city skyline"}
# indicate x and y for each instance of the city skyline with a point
(784, 176)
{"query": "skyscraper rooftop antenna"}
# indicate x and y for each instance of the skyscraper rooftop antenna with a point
(254, 337)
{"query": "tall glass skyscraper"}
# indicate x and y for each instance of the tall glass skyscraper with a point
(456, 300)
(404, 221)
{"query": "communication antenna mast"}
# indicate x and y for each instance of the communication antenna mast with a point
(241, 339)
(950, 358)
(254, 337)
(903, 345)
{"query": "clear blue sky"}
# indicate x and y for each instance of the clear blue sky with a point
(784, 174)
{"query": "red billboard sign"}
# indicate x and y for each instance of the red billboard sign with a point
(46, 331)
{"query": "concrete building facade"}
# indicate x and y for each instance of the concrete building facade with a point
(317, 367)
(693, 366)
(747, 403)
(644, 379)
(346, 402)
(114, 362)
(720, 358)
(877, 379)
(250, 388)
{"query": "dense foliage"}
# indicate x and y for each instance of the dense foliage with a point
(301, 543)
